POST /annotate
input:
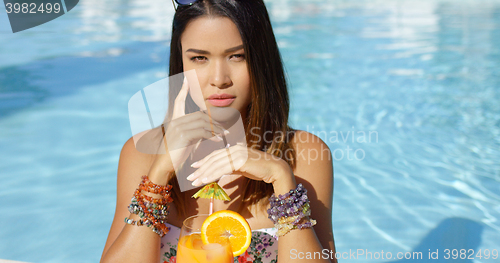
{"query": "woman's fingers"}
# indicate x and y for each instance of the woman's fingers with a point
(219, 163)
(218, 168)
(180, 111)
(199, 163)
(204, 124)
(199, 115)
(190, 137)
(179, 131)
(190, 133)
(180, 101)
(213, 155)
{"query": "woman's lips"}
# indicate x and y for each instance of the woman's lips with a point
(221, 102)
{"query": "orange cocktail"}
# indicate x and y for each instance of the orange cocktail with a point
(192, 249)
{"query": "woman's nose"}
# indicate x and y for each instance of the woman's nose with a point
(220, 75)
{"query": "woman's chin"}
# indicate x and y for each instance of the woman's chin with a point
(224, 114)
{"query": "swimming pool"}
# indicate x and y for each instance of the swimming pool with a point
(405, 93)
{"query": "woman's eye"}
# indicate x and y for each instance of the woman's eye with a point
(238, 57)
(198, 59)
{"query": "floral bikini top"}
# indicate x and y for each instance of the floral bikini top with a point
(264, 247)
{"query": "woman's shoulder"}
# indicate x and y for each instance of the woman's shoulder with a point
(313, 156)
(144, 143)
(136, 156)
(306, 140)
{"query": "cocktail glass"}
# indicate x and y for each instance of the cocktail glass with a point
(191, 248)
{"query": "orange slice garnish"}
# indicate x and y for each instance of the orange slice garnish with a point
(224, 224)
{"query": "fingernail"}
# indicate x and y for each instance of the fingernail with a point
(218, 137)
(226, 132)
(190, 177)
(195, 183)
(204, 180)
(225, 175)
(192, 165)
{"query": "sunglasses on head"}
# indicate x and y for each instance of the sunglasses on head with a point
(183, 2)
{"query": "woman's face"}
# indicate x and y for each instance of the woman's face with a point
(214, 48)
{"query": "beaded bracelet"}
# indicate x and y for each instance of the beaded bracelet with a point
(291, 211)
(153, 212)
(158, 227)
(151, 187)
(140, 208)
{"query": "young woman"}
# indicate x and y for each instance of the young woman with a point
(231, 46)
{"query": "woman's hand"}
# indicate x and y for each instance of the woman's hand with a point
(181, 135)
(254, 164)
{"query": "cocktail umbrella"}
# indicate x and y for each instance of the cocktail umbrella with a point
(212, 191)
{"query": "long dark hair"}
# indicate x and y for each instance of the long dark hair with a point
(269, 108)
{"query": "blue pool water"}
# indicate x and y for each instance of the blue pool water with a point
(405, 93)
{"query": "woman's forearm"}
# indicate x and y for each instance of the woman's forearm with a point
(138, 243)
(134, 244)
(297, 245)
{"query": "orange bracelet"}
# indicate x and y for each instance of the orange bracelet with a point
(148, 186)
(152, 211)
